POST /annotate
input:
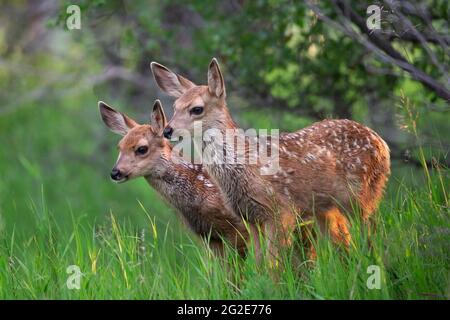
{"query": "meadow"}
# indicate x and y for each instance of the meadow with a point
(286, 65)
(128, 244)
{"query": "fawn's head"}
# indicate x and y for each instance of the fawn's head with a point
(194, 103)
(141, 147)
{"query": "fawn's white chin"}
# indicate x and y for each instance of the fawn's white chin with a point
(121, 180)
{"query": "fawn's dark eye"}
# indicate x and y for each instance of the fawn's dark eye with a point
(142, 150)
(196, 110)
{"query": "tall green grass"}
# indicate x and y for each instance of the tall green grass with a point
(120, 261)
(58, 208)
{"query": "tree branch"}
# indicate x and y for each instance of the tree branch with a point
(411, 37)
(384, 45)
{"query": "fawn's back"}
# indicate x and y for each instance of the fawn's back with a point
(333, 161)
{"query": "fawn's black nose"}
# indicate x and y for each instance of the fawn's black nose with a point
(116, 174)
(168, 132)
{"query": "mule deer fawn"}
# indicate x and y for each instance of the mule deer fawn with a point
(324, 170)
(145, 153)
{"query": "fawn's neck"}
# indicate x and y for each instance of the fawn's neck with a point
(187, 189)
(173, 180)
(235, 180)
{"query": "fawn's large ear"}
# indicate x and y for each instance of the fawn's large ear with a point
(171, 83)
(216, 85)
(158, 120)
(115, 120)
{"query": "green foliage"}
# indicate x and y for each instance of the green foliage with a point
(283, 68)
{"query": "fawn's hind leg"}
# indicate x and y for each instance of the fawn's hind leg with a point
(306, 238)
(336, 225)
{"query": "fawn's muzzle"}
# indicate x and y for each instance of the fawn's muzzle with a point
(116, 174)
(168, 131)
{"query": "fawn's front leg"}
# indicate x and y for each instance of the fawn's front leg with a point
(255, 238)
(279, 233)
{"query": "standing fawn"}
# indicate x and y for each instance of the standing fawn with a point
(324, 170)
(145, 153)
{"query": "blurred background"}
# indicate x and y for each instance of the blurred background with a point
(286, 65)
